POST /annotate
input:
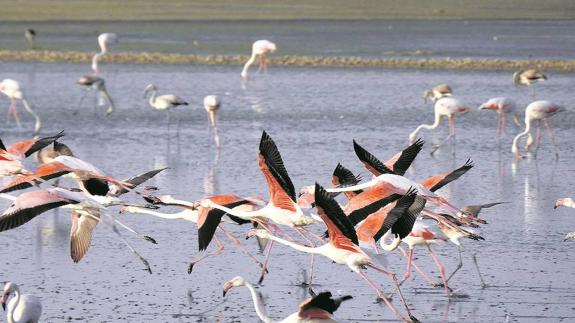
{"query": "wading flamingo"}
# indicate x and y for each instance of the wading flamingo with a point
(13, 91)
(528, 77)
(164, 102)
(502, 106)
(537, 112)
(318, 309)
(445, 107)
(261, 49)
(567, 202)
(22, 308)
(212, 105)
(99, 85)
(343, 248)
(106, 41)
(30, 35)
(437, 92)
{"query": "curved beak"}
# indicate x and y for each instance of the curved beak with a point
(251, 233)
(3, 301)
(481, 107)
(227, 287)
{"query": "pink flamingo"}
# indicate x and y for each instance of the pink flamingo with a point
(539, 112)
(502, 106)
(13, 91)
(105, 40)
(448, 107)
(261, 49)
(437, 92)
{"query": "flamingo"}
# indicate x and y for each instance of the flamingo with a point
(48, 154)
(12, 90)
(343, 248)
(261, 49)
(566, 201)
(30, 35)
(502, 106)
(22, 308)
(448, 107)
(164, 102)
(282, 207)
(212, 105)
(437, 92)
(318, 309)
(10, 158)
(99, 85)
(528, 77)
(537, 111)
(203, 219)
(105, 40)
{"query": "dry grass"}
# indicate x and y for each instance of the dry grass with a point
(286, 9)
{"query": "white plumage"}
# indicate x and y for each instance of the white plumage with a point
(22, 308)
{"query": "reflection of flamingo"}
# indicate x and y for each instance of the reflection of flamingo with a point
(448, 107)
(13, 91)
(23, 307)
(98, 84)
(318, 309)
(261, 49)
(537, 111)
(437, 92)
(502, 106)
(105, 41)
(342, 247)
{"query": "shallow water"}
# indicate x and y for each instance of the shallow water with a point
(529, 39)
(313, 114)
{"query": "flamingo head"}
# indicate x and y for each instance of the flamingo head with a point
(150, 88)
(516, 78)
(427, 94)
(260, 233)
(234, 282)
(306, 197)
(9, 288)
(272, 47)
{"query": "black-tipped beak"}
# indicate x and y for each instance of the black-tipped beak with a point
(554, 207)
(4, 306)
(223, 294)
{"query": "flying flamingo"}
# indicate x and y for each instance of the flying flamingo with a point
(261, 49)
(282, 207)
(437, 92)
(539, 112)
(99, 85)
(202, 218)
(318, 309)
(105, 40)
(528, 77)
(212, 105)
(448, 107)
(343, 248)
(13, 91)
(48, 154)
(502, 106)
(30, 35)
(22, 308)
(10, 158)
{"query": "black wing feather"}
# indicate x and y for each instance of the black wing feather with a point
(400, 209)
(361, 214)
(325, 301)
(334, 212)
(407, 157)
(274, 161)
(24, 185)
(42, 143)
(13, 220)
(346, 177)
(138, 180)
(455, 174)
(369, 159)
(207, 230)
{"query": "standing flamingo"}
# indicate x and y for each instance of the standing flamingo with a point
(448, 107)
(212, 105)
(261, 49)
(502, 106)
(164, 102)
(343, 248)
(528, 77)
(99, 85)
(13, 91)
(105, 40)
(538, 111)
(30, 35)
(318, 309)
(22, 308)
(437, 92)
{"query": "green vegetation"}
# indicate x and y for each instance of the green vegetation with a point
(14, 10)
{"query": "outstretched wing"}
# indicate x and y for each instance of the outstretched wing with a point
(373, 165)
(324, 302)
(84, 222)
(341, 231)
(438, 181)
(406, 157)
(28, 147)
(208, 221)
(401, 218)
(136, 181)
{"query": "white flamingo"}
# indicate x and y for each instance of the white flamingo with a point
(261, 49)
(502, 106)
(99, 85)
(105, 40)
(12, 90)
(22, 308)
(437, 92)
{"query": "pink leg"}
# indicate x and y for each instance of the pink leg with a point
(408, 270)
(418, 269)
(311, 244)
(503, 123)
(394, 279)
(219, 249)
(266, 260)
(382, 296)
(441, 270)
(313, 234)
(499, 123)
(240, 246)
(261, 63)
(552, 136)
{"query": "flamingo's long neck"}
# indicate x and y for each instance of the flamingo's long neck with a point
(389, 247)
(296, 246)
(16, 303)
(258, 305)
(435, 124)
(248, 64)
(514, 148)
(239, 213)
(153, 97)
(95, 60)
(170, 216)
(38, 121)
